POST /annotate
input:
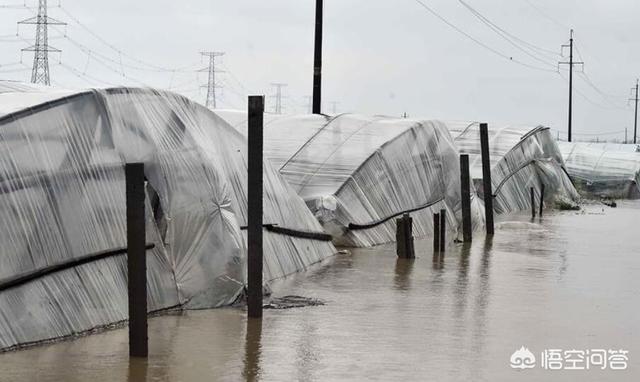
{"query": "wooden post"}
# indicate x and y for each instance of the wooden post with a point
(541, 199)
(404, 237)
(465, 195)
(317, 60)
(254, 197)
(136, 260)
(486, 178)
(408, 230)
(443, 230)
(401, 247)
(533, 203)
(436, 233)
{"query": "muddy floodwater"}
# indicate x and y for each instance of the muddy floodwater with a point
(569, 281)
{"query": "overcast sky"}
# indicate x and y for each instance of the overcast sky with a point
(380, 56)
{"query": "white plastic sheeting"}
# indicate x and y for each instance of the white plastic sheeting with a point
(521, 158)
(604, 169)
(62, 203)
(357, 173)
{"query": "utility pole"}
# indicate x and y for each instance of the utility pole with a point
(211, 85)
(41, 48)
(635, 121)
(278, 97)
(571, 63)
(317, 60)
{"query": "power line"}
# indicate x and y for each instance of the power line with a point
(478, 42)
(546, 16)
(150, 66)
(529, 49)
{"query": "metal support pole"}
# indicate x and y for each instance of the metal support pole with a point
(436, 233)
(541, 199)
(465, 194)
(443, 230)
(533, 203)
(486, 178)
(317, 60)
(136, 260)
(254, 197)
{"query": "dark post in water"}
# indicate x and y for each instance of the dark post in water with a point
(533, 203)
(436, 233)
(136, 260)
(486, 177)
(404, 237)
(541, 199)
(443, 230)
(465, 194)
(317, 60)
(254, 219)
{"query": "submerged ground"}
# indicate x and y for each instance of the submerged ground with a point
(567, 281)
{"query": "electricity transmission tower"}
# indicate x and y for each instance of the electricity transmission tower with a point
(41, 48)
(571, 63)
(635, 121)
(278, 97)
(211, 83)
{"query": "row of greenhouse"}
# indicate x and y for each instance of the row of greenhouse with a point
(328, 181)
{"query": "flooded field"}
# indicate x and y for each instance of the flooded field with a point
(566, 281)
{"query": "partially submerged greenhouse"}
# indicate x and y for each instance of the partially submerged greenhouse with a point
(521, 158)
(358, 173)
(62, 200)
(604, 169)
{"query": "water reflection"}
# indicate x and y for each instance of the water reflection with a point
(403, 270)
(137, 369)
(252, 350)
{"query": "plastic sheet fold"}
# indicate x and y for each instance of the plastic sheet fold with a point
(62, 199)
(521, 158)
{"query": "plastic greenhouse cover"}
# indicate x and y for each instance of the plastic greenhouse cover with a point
(604, 169)
(357, 173)
(62, 201)
(521, 158)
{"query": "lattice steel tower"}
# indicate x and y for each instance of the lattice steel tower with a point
(211, 84)
(41, 48)
(278, 97)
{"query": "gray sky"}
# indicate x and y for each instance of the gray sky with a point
(380, 56)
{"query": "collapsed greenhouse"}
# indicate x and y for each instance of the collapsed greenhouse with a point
(604, 169)
(358, 173)
(355, 172)
(521, 158)
(62, 199)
